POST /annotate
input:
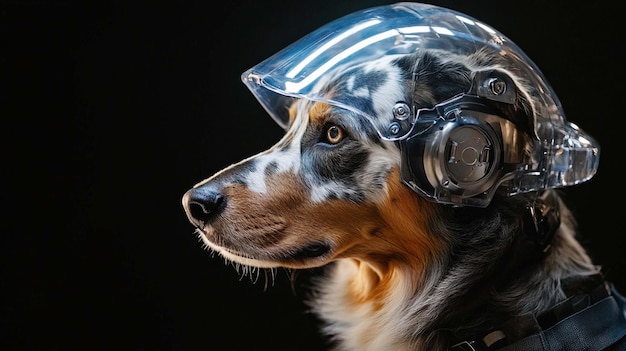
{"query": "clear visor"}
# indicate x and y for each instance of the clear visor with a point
(560, 154)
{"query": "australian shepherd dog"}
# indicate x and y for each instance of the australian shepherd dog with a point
(403, 272)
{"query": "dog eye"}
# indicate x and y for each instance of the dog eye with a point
(334, 134)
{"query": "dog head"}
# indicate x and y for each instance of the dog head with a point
(390, 114)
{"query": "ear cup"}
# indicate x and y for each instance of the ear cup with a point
(454, 161)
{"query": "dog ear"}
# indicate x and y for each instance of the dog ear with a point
(434, 76)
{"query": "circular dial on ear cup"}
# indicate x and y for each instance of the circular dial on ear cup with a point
(468, 154)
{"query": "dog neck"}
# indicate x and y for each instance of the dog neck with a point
(389, 304)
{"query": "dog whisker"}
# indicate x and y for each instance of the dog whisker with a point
(292, 279)
(265, 286)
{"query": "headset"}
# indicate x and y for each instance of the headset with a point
(462, 149)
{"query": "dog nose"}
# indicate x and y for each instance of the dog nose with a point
(202, 204)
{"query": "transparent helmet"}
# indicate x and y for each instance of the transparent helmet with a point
(558, 153)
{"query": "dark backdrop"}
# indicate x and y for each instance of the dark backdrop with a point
(112, 109)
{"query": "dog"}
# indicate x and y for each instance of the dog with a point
(404, 272)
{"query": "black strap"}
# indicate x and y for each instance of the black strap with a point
(596, 327)
(542, 220)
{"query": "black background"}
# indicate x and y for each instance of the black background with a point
(112, 109)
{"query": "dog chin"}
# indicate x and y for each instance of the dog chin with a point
(244, 260)
(310, 256)
(235, 257)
